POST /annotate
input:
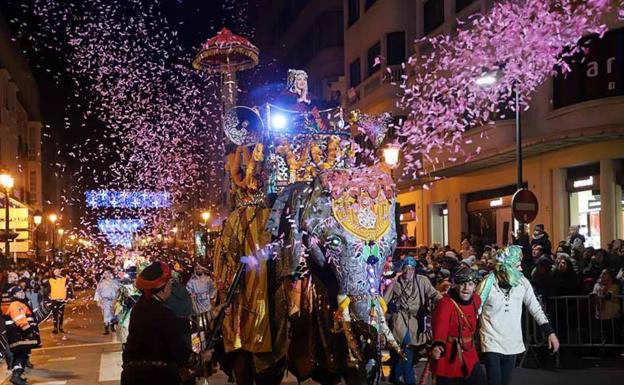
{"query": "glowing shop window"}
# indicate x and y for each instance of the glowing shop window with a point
(585, 212)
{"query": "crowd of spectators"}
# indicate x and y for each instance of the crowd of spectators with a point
(570, 268)
(586, 277)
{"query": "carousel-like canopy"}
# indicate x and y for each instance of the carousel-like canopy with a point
(226, 53)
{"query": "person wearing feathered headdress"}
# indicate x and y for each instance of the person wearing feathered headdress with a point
(503, 292)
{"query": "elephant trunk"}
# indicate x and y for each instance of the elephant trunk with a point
(368, 310)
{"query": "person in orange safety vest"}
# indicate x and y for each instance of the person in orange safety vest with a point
(60, 291)
(22, 333)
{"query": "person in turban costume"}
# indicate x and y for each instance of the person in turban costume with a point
(155, 352)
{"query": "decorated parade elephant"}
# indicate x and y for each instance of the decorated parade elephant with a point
(341, 228)
(310, 299)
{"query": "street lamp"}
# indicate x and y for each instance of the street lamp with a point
(53, 218)
(205, 216)
(486, 79)
(60, 233)
(391, 155)
(37, 219)
(7, 182)
(491, 78)
(174, 231)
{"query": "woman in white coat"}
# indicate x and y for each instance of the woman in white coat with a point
(503, 292)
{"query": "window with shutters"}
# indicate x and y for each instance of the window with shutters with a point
(461, 4)
(354, 11)
(368, 4)
(32, 182)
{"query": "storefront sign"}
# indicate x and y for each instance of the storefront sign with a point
(597, 75)
(524, 206)
(496, 202)
(583, 184)
(18, 222)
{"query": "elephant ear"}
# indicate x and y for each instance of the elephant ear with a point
(285, 225)
(312, 218)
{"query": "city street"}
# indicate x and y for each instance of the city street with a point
(310, 184)
(84, 356)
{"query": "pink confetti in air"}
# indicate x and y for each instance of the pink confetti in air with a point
(519, 42)
(130, 71)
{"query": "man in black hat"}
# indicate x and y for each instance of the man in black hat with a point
(454, 354)
(155, 351)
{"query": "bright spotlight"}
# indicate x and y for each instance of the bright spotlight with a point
(486, 80)
(278, 121)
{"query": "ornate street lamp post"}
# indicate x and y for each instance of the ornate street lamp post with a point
(174, 231)
(205, 216)
(61, 232)
(37, 219)
(7, 181)
(53, 218)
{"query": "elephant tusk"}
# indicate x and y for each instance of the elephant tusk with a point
(342, 322)
(385, 330)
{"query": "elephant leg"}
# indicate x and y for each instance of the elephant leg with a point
(301, 360)
(325, 378)
(243, 368)
(273, 375)
(355, 376)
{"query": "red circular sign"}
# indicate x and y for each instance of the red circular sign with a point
(524, 206)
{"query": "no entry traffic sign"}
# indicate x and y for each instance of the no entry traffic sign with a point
(524, 206)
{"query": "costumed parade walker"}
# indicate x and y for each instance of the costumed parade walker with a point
(278, 153)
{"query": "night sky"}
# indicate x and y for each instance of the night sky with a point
(62, 106)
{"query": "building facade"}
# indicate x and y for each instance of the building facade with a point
(302, 34)
(573, 133)
(20, 140)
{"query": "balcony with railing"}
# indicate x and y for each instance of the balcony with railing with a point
(394, 75)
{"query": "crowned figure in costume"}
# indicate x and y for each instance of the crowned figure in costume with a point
(298, 84)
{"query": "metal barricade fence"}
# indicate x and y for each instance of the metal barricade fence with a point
(580, 321)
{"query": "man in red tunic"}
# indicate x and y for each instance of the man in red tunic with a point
(454, 355)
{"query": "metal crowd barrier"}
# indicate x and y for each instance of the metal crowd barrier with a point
(574, 319)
